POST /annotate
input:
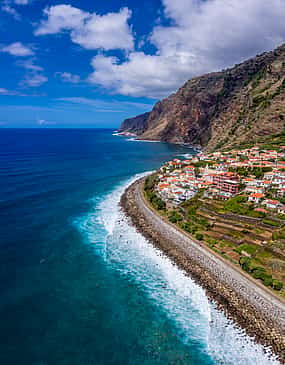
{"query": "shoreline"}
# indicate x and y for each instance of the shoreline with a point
(253, 308)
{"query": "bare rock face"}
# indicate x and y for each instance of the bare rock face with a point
(135, 125)
(221, 109)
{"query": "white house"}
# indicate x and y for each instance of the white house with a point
(255, 197)
(271, 204)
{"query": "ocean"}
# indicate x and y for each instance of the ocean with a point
(78, 284)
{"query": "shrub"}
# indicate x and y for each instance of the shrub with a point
(157, 202)
(150, 182)
(174, 217)
(245, 263)
(277, 285)
(267, 280)
(199, 236)
(258, 272)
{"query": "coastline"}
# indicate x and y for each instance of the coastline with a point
(252, 307)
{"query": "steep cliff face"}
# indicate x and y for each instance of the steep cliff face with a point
(224, 108)
(135, 125)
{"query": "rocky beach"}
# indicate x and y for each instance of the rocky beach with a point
(254, 308)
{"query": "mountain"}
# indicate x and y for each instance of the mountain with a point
(221, 109)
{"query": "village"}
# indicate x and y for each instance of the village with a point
(257, 173)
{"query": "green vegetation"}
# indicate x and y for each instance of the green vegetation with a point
(174, 217)
(258, 172)
(156, 201)
(279, 235)
(271, 222)
(255, 78)
(199, 236)
(250, 249)
(203, 164)
(260, 273)
(239, 205)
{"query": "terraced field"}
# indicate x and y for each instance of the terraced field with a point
(244, 240)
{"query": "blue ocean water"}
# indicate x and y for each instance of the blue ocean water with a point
(78, 284)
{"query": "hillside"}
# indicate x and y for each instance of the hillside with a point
(221, 109)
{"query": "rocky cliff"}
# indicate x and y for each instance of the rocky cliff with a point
(220, 109)
(135, 125)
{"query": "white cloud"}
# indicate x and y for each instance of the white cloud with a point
(89, 30)
(142, 75)
(68, 77)
(21, 2)
(4, 91)
(34, 80)
(44, 122)
(41, 121)
(7, 92)
(29, 64)
(7, 8)
(18, 49)
(204, 36)
(34, 76)
(59, 18)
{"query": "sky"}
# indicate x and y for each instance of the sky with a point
(94, 63)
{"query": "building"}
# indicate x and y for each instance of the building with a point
(229, 186)
(271, 204)
(219, 179)
(255, 197)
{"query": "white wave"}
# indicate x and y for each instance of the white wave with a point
(186, 155)
(133, 139)
(183, 301)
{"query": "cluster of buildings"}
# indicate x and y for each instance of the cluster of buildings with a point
(217, 173)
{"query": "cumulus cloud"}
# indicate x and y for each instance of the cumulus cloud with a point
(18, 49)
(68, 77)
(142, 75)
(89, 30)
(203, 36)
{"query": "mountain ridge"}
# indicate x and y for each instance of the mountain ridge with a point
(221, 109)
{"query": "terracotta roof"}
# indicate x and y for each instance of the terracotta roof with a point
(261, 210)
(257, 195)
(273, 202)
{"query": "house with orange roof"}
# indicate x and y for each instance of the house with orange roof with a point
(255, 197)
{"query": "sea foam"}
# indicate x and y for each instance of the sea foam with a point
(183, 301)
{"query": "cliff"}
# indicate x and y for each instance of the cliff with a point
(221, 109)
(135, 125)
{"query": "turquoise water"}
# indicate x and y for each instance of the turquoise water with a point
(78, 284)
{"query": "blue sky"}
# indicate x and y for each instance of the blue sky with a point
(94, 63)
